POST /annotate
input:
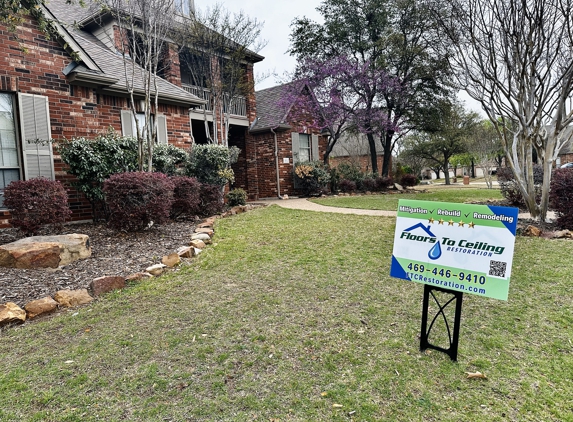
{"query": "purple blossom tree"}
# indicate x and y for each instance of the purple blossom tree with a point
(339, 94)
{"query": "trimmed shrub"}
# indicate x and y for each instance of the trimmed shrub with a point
(169, 160)
(561, 196)
(186, 197)
(312, 177)
(347, 186)
(92, 161)
(350, 171)
(383, 183)
(237, 197)
(409, 180)
(36, 202)
(210, 164)
(369, 184)
(137, 199)
(211, 200)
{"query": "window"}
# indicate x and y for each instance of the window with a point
(29, 154)
(9, 163)
(128, 127)
(304, 147)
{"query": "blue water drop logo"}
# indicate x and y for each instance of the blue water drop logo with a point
(435, 252)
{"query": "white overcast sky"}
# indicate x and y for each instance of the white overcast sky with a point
(277, 16)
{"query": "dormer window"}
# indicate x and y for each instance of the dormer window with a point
(185, 7)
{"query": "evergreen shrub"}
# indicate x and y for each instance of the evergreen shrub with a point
(237, 197)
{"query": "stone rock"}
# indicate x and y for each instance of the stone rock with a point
(156, 269)
(40, 306)
(532, 231)
(198, 244)
(563, 234)
(45, 251)
(105, 284)
(71, 298)
(171, 260)
(10, 312)
(201, 236)
(197, 251)
(398, 187)
(239, 209)
(138, 276)
(32, 255)
(208, 223)
(205, 230)
(186, 252)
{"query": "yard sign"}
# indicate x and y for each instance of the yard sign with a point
(462, 247)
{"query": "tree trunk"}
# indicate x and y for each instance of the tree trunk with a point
(373, 157)
(387, 148)
(447, 173)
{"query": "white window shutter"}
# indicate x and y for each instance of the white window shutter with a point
(314, 148)
(295, 147)
(127, 123)
(161, 129)
(35, 126)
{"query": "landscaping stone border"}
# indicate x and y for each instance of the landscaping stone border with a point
(10, 313)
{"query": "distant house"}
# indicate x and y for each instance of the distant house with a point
(279, 143)
(74, 85)
(566, 153)
(353, 148)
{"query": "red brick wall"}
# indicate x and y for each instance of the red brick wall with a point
(266, 164)
(74, 111)
(363, 160)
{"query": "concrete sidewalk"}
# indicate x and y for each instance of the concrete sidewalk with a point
(305, 204)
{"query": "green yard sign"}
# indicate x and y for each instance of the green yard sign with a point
(461, 247)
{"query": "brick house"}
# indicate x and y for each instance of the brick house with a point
(279, 143)
(354, 149)
(74, 85)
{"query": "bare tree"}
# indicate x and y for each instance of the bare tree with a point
(516, 58)
(215, 45)
(485, 146)
(143, 27)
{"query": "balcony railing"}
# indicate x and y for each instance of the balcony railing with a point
(238, 108)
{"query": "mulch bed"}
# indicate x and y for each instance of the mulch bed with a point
(113, 253)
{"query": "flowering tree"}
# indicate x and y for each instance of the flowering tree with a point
(385, 40)
(338, 94)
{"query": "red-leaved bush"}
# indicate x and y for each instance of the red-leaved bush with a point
(561, 197)
(383, 183)
(186, 196)
(137, 199)
(36, 202)
(409, 180)
(347, 186)
(211, 200)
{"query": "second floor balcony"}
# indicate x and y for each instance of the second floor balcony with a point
(238, 108)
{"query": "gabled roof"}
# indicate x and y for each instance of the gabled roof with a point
(100, 67)
(271, 110)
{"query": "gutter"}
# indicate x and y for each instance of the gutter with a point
(277, 164)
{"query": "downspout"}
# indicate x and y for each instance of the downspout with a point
(277, 164)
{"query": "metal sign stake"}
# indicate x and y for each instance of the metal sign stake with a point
(452, 351)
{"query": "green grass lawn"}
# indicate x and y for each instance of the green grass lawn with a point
(292, 316)
(389, 202)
